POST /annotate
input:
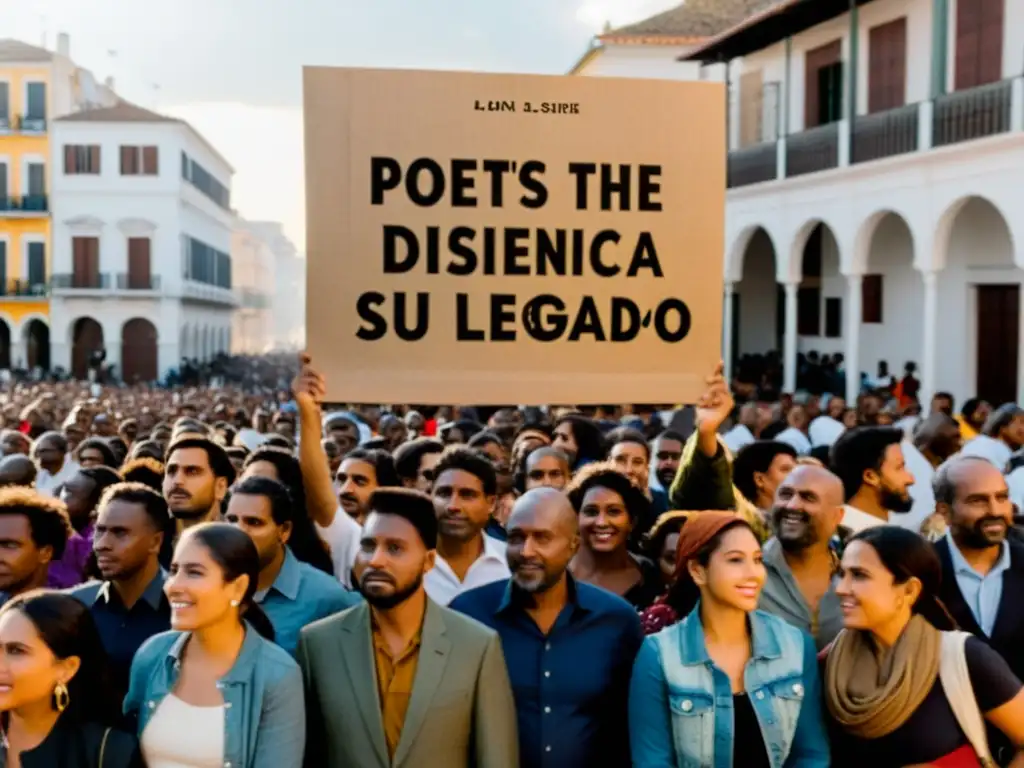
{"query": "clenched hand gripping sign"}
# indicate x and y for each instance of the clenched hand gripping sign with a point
(479, 238)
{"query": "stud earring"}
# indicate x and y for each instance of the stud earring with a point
(234, 603)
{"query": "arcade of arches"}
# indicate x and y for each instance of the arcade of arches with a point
(959, 319)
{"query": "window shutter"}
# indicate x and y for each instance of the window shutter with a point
(94, 159)
(150, 166)
(69, 159)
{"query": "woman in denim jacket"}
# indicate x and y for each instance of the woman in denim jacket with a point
(212, 691)
(728, 685)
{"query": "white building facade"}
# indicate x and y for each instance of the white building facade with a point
(142, 229)
(253, 273)
(288, 299)
(876, 184)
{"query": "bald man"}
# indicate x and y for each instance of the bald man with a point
(569, 646)
(799, 558)
(17, 470)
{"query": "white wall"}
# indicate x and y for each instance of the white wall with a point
(656, 62)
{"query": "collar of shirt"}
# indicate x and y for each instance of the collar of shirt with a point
(858, 520)
(153, 595)
(515, 598)
(961, 566)
(288, 580)
(443, 585)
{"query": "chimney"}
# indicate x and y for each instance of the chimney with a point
(64, 45)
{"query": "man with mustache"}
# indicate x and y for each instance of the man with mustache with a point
(399, 680)
(361, 472)
(982, 570)
(876, 481)
(798, 559)
(570, 714)
(197, 476)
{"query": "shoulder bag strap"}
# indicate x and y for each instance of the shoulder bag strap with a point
(103, 747)
(956, 682)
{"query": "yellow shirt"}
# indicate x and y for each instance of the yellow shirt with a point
(395, 677)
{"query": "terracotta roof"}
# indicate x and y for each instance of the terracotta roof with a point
(122, 112)
(15, 51)
(126, 112)
(691, 21)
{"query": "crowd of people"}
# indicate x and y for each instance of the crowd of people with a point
(245, 575)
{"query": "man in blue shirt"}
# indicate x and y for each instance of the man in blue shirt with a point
(292, 593)
(129, 605)
(569, 646)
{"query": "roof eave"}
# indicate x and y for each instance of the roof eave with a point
(708, 51)
(651, 39)
(588, 56)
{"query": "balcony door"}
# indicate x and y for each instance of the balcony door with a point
(85, 252)
(139, 277)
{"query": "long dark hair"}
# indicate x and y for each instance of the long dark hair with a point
(305, 543)
(233, 550)
(68, 629)
(907, 555)
(683, 595)
(590, 443)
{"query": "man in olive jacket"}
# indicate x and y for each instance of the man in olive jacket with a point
(399, 681)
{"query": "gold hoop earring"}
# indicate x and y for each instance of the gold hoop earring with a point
(61, 697)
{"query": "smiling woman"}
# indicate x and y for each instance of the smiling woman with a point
(216, 638)
(56, 702)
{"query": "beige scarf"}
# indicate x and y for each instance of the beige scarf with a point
(871, 691)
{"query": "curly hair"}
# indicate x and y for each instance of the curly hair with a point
(604, 475)
(47, 518)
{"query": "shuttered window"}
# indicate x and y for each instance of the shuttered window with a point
(823, 87)
(979, 42)
(871, 299)
(887, 66)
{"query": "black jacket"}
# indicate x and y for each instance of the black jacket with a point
(78, 746)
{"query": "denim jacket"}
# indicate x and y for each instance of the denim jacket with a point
(265, 716)
(680, 703)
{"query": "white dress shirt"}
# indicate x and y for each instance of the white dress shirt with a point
(858, 520)
(443, 585)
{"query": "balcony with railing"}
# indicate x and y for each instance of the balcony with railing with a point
(28, 124)
(80, 282)
(954, 118)
(24, 206)
(18, 288)
(208, 294)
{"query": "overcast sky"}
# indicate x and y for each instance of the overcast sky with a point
(233, 67)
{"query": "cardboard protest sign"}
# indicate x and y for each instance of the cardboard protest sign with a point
(476, 238)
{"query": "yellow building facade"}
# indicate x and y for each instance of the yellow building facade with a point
(25, 93)
(36, 86)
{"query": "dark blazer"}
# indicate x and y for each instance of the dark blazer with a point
(1008, 633)
(79, 746)
(461, 712)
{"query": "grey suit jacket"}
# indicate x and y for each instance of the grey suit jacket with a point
(461, 712)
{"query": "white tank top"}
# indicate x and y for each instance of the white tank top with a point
(182, 735)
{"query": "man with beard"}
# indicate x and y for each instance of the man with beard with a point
(798, 560)
(291, 593)
(196, 480)
(570, 714)
(876, 481)
(667, 450)
(129, 605)
(399, 680)
(361, 472)
(465, 488)
(982, 570)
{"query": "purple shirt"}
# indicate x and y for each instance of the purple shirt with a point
(69, 571)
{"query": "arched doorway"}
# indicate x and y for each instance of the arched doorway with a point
(979, 306)
(892, 301)
(86, 338)
(757, 328)
(139, 351)
(5, 345)
(819, 313)
(37, 344)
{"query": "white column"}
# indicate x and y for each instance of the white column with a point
(1017, 105)
(928, 354)
(727, 329)
(852, 333)
(789, 340)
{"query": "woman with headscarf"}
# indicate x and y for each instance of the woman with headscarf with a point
(728, 685)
